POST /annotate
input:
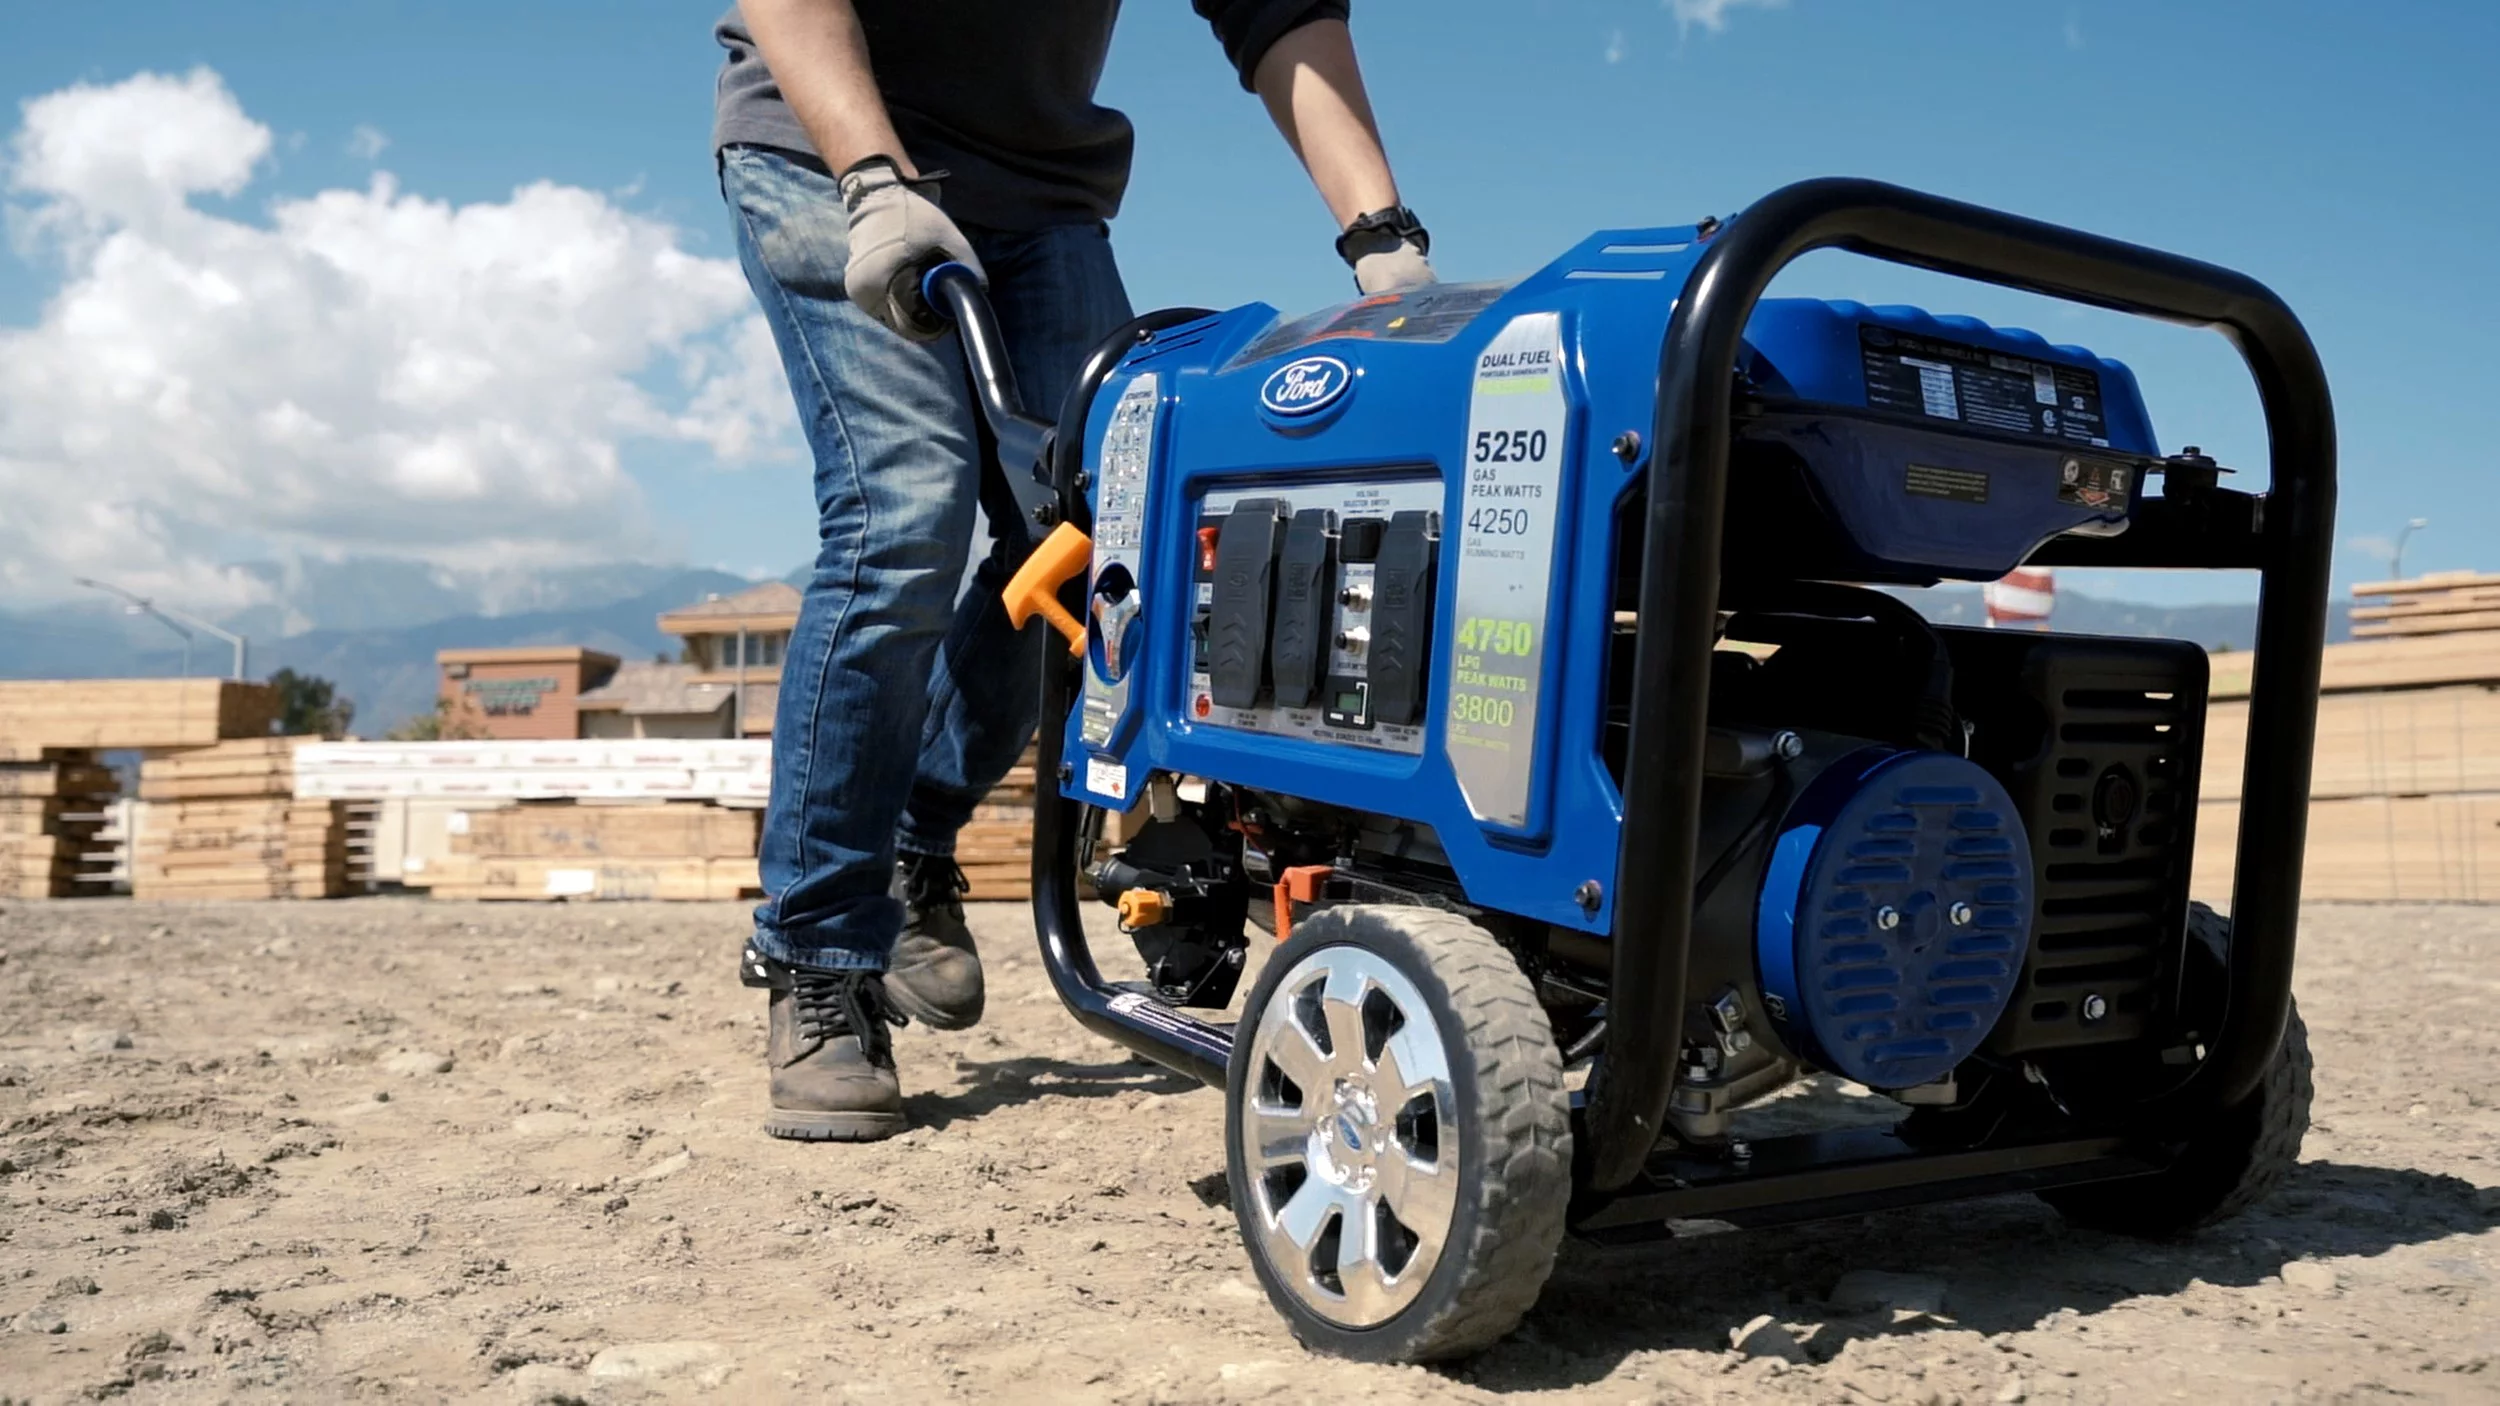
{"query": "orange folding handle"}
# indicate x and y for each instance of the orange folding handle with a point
(1034, 589)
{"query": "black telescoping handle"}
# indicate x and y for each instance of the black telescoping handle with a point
(954, 296)
(1679, 600)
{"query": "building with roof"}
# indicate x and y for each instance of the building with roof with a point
(657, 700)
(737, 642)
(725, 683)
(525, 692)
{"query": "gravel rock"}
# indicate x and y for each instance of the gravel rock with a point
(2311, 1276)
(663, 1169)
(706, 1364)
(1765, 1336)
(411, 1063)
(43, 1319)
(98, 1039)
(1864, 1290)
(545, 1384)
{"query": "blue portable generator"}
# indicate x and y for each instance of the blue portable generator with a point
(1515, 654)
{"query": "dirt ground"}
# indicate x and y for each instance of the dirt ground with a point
(390, 1149)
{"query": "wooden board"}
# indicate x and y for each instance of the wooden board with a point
(276, 856)
(2411, 849)
(2428, 584)
(2441, 624)
(2424, 662)
(549, 880)
(246, 891)
(71, 818)
(57, 779)
(16, 753)
(124, 713)
(240, 750)
(2436, 741)
(191, 766)
(562, 831)
(995, 883)
(209, 788)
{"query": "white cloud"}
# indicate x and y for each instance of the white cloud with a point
(367, 143)
(1712, 14)
(137, 150)
(1615, 47)
(368, 371)
(2074, 30)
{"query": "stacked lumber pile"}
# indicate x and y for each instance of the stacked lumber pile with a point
(564, 850)
(996, 849)
(223, 823)
(105, 714)
(2442, 603)
(2405, 780)
(53, 809)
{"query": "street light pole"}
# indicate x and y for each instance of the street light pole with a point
(2396, 559)
(169, 616)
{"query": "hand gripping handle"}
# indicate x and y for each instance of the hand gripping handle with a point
(1034, 589)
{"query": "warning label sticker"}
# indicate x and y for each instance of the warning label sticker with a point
(2094, 483)
(1954, 485)
(1944, 380)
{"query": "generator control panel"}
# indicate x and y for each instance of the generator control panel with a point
(1313, 605)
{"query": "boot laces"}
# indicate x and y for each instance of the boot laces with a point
(930, 880)
(830, 1005)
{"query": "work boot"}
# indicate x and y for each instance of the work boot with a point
(935, 974)
(830, 1052)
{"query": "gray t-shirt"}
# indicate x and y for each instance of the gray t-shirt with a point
(999, 93)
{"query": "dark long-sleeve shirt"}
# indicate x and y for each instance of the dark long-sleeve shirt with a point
(1000, 94)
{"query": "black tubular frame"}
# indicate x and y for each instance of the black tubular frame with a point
(2288, 537)
(1131, 1019)
(1031, 479)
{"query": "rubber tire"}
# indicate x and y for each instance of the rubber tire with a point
(1514, 1136)
(2241, 1156)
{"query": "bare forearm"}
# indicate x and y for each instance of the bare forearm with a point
(1314, 90)
(819, 56)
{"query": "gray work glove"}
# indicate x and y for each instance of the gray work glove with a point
(898, 234)
(1393, 270)
(1389, 250)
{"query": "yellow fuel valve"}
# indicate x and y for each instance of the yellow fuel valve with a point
(1143, 908)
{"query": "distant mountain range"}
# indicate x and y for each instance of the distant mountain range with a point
(372, 627)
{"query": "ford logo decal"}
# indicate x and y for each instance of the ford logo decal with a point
(1305, 387)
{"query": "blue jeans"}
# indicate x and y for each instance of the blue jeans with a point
(901, 705)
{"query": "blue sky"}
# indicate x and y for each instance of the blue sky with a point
(2342, 154)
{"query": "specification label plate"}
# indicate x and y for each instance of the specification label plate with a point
(1516, 419)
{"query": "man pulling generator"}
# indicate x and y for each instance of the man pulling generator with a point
(1514, 653)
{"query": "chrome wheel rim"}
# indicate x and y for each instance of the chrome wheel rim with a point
(1349, 1137)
